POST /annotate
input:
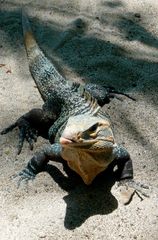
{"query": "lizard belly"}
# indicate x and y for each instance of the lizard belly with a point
(86, 163)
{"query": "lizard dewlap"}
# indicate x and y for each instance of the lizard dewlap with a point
(87, 163)
(88, 144)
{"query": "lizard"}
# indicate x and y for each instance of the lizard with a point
(78, 130)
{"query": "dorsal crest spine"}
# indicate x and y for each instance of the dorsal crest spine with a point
(92, 102)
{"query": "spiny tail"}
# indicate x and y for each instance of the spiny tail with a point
(44, 73)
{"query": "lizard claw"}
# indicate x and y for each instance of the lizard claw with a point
(102, 93)
(25, 132)
(112, 93)
(9, 128)
(130, 188)
(22, 178)
(28, 133)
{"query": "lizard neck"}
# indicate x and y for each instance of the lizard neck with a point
(88, 164)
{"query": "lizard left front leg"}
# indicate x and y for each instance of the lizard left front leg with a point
(124, 175)
(123, 162)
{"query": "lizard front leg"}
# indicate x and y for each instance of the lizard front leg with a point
(123, 162)
(39, 161)
(124, 174)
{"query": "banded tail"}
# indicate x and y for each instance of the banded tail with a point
(44, 73)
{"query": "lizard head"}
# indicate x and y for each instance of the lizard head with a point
(87, 132)
(88, 144)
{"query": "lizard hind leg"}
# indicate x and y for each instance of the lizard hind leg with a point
(25, 132)
(103, 94)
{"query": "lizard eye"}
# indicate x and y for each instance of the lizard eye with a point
(93, 128)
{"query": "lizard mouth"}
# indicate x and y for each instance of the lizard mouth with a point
(72, 143)
(66, 141)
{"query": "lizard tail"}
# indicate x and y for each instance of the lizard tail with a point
(31, 45)
(44, 73)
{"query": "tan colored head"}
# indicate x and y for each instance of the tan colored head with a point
(88, 144)
(85, 131)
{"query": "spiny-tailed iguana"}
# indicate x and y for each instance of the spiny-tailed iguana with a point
(78, 130)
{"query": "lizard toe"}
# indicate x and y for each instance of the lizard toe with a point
(129, 187)
(22, 178)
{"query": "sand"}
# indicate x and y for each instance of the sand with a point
(106, 42)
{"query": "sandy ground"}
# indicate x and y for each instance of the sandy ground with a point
(115, 43)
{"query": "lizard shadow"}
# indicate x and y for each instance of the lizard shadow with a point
(84, 201)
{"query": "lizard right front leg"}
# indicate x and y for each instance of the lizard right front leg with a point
(39, 161)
